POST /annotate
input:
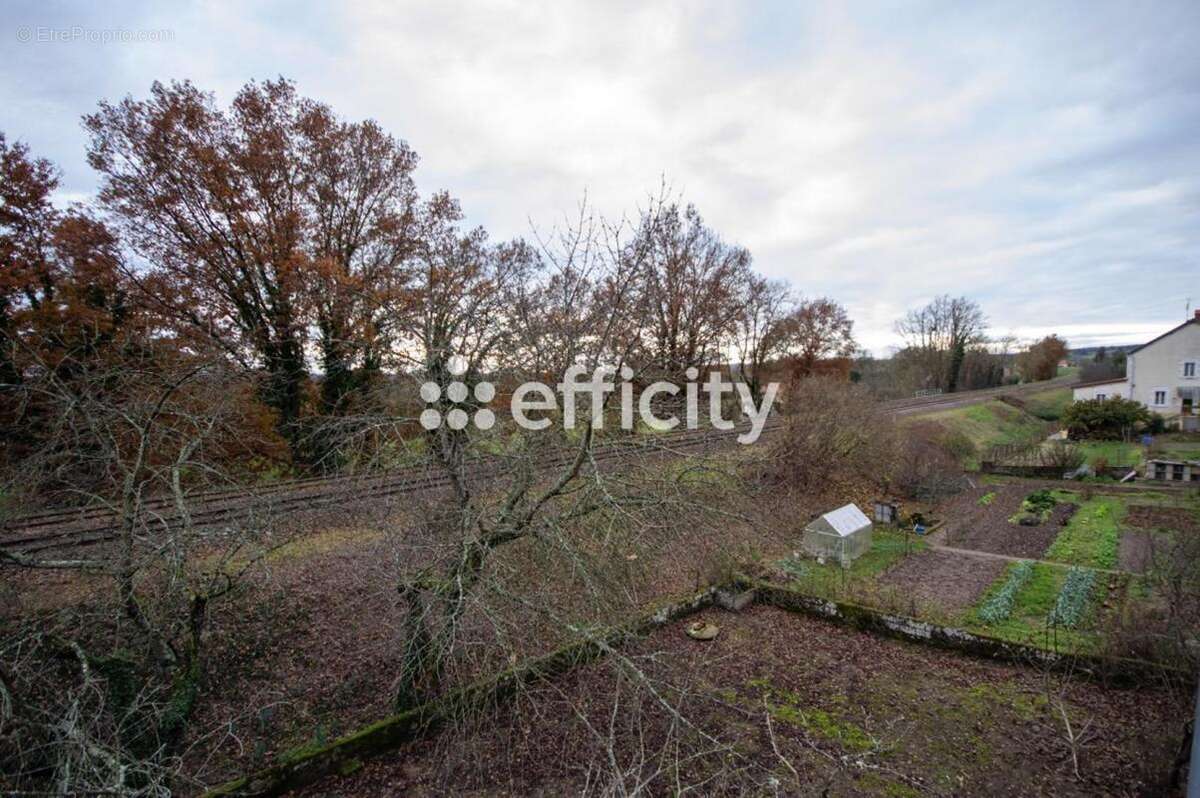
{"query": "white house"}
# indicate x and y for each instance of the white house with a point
(1163, 374)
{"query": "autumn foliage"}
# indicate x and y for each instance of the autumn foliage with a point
(288, 243)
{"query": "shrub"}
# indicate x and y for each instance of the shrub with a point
(1035, 508)
(1105, 418)
(1062, 455)
(999, 605)
(926, 469)
(1072, 600)
(833, 434)
(1040, 502)
(958, 445)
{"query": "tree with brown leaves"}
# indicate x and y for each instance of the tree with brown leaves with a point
(1040, 360)
(819, 329)
(261, 223)
(63, 296)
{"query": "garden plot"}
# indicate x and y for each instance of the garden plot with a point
(1136, 553)
(980, 520)
(948, 581)
(1176, 518)
(1049, 606)
(1149, 533)
(781, 703)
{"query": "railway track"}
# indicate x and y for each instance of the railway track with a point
(59, 529)
(78, 527)
(926, 404)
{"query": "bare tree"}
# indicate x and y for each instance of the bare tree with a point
(135, 439)
(477, 524)
(939, 334)
(762, 332)
(689, 291)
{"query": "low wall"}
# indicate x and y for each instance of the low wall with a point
(1106, 669)
(1047, 472)
(1038, 472)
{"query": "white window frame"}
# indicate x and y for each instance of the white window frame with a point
(1166, 392)
(1184, 370)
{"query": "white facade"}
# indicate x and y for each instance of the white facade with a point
(1101, 390)
(1164, 375)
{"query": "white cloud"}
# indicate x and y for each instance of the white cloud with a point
(1043, 164)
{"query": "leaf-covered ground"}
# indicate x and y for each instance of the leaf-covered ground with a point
(782, 703)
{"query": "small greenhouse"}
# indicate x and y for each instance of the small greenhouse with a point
(842, 535)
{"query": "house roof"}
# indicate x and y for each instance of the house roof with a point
(1113, 381)
(846, 520)
(1172, 331)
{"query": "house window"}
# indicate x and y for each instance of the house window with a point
(1160, 471)
(1189, 369)
(1160, 397)
(1177, 472)
(1100, 397)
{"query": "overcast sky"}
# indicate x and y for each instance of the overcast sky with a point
(1039, 158)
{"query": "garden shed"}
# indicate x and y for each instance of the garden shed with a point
(843, 534)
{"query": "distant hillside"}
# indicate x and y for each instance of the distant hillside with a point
(1089, 352)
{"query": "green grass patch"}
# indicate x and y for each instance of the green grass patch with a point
(1090, 538)
(987, 498)
(1177, 450)
(888, 546)
(787, 707)
(986, 424)
(1048, 405)
(1032, 601)
(1113, 453)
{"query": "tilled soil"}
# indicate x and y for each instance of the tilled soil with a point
(785, 704)
(1136, 551)
(1177, 518)
(985, 527)
(950, 581)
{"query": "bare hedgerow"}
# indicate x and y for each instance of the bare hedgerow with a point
(97, 698)
(928, 464)
(835, 435)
